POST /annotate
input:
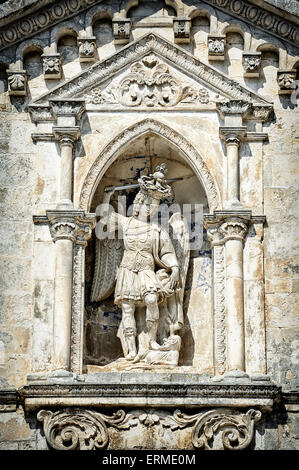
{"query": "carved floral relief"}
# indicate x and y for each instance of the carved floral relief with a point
(149, 83)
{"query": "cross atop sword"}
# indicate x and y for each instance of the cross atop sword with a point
(131, 186)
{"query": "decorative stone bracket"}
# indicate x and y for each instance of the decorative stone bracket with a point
(216, 47)
(251, 64)
(87, 49)
(52, 67)
(285, 80)
(121, 30)
(17, 82)
(181, 30)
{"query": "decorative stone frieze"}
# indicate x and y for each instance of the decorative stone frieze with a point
(74, 429)
(50, 15)
(87, 49)
(121, 30)
(17, 82)
(181, 30)
(52, 67)
(285, 80)
(251, 64)
(216, 47)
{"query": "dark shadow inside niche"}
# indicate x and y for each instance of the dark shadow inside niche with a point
(102, 30)
(3, 78)
(32, 63)
(68, 48)
(102, 319)
(150, 8)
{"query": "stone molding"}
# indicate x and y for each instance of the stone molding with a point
(148, 125)
(75, 428)
(102, 71)
(100, 390)
(52, 14)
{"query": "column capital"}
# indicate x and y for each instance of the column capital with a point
(71, 225)
(226, 225)
(232, 135)
(66, 135)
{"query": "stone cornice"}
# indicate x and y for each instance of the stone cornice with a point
(174, 55)
(51, 13)
(150, 394)
(259, 17)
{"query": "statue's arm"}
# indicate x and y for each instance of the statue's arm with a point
(169, 258)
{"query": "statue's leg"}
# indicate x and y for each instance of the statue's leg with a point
(152, 317)
(128, 319)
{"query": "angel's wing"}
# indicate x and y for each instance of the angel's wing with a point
(179, 234)
(109, 253)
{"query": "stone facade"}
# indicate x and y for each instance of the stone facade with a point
(97, 93)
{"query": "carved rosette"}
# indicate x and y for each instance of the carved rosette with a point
(252, 64)
(285, 80)
(181, 30)
(87, 49)
(216, 47)
(121, 30)
(52, 67)
(17, 82)
(79, 429)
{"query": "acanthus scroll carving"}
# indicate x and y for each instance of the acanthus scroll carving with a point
(80, 429)
(150, 84)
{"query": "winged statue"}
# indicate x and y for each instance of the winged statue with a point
(146, 266)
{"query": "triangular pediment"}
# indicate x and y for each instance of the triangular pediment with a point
(151, 58)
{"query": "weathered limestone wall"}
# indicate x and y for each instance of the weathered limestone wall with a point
(29, 180)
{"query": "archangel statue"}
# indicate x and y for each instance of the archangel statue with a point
(146, 266)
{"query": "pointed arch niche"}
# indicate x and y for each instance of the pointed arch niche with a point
(137, 151)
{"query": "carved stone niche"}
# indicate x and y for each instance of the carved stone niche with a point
(17, 82)
(216, 47)
(252, 64)
(87, 49)
(52, 67)
(121, 30)
(181, 30)
(285, 80)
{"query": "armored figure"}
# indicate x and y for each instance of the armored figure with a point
(149, 275)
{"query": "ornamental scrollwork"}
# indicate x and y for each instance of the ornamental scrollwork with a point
(81, 429)
(149, 83)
